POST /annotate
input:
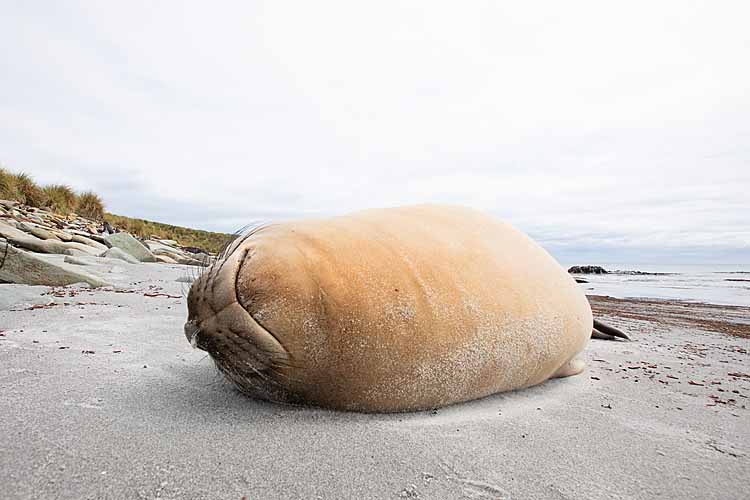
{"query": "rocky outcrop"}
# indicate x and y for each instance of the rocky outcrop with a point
(587, 270)
(40, 231)
(18, 266)
(38, 245)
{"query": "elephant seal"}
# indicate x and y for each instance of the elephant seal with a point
(388, 310)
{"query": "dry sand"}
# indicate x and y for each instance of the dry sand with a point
(101, 396)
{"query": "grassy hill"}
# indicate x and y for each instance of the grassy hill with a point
(62, 199)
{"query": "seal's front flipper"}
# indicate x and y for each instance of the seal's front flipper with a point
(606, 332)
(572, 367)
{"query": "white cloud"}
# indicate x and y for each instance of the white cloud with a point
(589, 125)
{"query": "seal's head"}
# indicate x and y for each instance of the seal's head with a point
(243, 350)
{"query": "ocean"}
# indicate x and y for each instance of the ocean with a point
(714, 284)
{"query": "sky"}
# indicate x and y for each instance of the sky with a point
(608, 131)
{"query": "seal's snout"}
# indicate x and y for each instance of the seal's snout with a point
(217, 323)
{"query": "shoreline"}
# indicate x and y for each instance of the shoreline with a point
(719, 318)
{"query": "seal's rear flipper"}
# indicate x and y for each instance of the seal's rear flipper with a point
(596, 334)
(572, 367)
(606, 332)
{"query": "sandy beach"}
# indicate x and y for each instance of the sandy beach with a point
(102, 397)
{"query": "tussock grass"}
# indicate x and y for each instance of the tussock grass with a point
(28, 191)
(63, 200)
(89, 205)
(7, 186)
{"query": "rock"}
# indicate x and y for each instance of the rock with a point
(49, 246)
(91, 236)
(117, 253)
(7, 231)
(175, 254)
(88, 241)
(74, 252)
(177, 258)
(70, 259)
(62, 236)
(155, 246)
(190, 262)
(587, 270)
(581, 280)
(193, 250)
(204, 258)
(39, 232)
(165, 259)
(9, 203)
(28, 269)
(128, 244)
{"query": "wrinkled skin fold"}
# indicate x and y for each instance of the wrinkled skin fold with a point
(388, 310)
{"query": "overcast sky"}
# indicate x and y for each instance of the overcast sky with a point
(609, 131)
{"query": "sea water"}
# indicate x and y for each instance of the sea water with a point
(714, 284)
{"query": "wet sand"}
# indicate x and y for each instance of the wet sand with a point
(101, 396)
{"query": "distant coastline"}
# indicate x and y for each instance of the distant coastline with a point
(721, 284)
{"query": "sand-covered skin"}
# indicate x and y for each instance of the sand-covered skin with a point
(104, 398)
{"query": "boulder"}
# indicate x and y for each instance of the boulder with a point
(39, 232)
(126, 242)
(117, 253)
(168, 251)
(155, 246)
(165, 259)
(178, 257)
(28, 269)
(90, 235)
(63, 236)
(7, 231)
(90, 242)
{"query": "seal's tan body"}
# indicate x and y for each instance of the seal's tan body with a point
(392, 310)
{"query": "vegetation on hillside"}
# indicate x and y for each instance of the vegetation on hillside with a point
(61, 199)
(57, 197)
